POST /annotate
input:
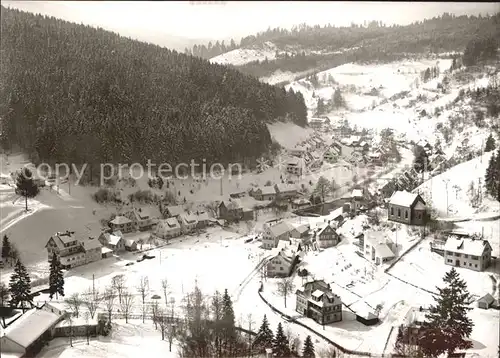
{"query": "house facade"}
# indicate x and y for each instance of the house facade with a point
(26, 336)
(301, 232)
(168, 228)
(326, 236)
(294, 167)
(273, 234)
(285, 192)
(142, 219)
(264, 193)
(377, 248)
(122, 223)
(283, 263)
(317, 301)
(188, 222)
(73, 251)
(112, 241)
(471, 253)
(407, 208)
(300, 203)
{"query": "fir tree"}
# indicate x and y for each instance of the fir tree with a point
(264, 338)
(308, 351)
(20, 286)
(6, 248)
(280, 343)
(490, 144)
(448, 326)
(26, 186)
(421, 161)
(56, 278)
(227, 324)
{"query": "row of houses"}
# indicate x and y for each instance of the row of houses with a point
(179, 221)
(276, 192)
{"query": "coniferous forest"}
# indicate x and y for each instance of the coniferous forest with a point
(74, 93)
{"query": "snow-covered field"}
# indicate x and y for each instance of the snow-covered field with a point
(288, 134)
(452, 188)
(242, 56)
(127, 340)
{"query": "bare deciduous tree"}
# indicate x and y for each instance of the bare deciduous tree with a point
(143, 289)
(170, 333)
(161, 319)
(118, 283)
(126, 304)
(109, 300)
(155, 308)
(91, 300)
(165, 287)
(285, 287)
(74, 302)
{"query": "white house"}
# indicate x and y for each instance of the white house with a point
(377, 247)
(112, 241)
(471, 253)
(188, 222)
(168, 228)
(273, 234)
(283, 262)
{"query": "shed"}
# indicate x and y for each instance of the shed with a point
(368, 318)
(130, 245)
(486, 301)
(106, 252)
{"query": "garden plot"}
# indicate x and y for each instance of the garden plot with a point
(126, 340)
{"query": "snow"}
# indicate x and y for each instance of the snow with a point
(242, 56)
(130, 340)
(451, 188)
(288, 134)
(402, 198)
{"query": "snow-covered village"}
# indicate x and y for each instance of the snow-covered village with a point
(330, 189)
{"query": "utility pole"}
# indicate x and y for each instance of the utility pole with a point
(93, 284)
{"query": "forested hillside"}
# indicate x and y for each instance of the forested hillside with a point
(305, 47)
(78, 94)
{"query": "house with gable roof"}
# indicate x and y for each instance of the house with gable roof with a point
(377, 247)
(317, 301)
(168, 228)
(114, 241)
(122, 223)
(283, 263)
(326, 236)
(72, 250)
(275, 233)
(188, 222)
(467, 252)
(285, 191)
(407, 208)
(263, 193)
(173, 211)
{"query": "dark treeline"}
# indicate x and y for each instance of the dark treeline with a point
(73, 93)
(211, 50)
(372, 42)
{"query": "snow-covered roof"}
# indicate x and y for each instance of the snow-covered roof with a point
(118, 220)
(383, 251)
(403, 198)
(91, 244)
(106, 250)
(30, 326)
(466, 245)
(357, 193)
(302, 228)
(189, 218)
(172, 223)
(317, 294)
(301, 201)
(203, 216)
(266, 190)
(175, 210)
(129, 242)
(283, 188)
(280, 229)
(113, 240)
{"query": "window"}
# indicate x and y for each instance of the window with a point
(475, 265)
(392, 211)
(450, 260)
(399, 213)
(406, 214)
(470, 264)
(281, 268)
(466, 256)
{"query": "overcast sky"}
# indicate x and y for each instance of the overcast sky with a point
(221, 20)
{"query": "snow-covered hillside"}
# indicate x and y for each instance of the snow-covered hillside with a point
(242, 56)
(288, 134)
(452, 188)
